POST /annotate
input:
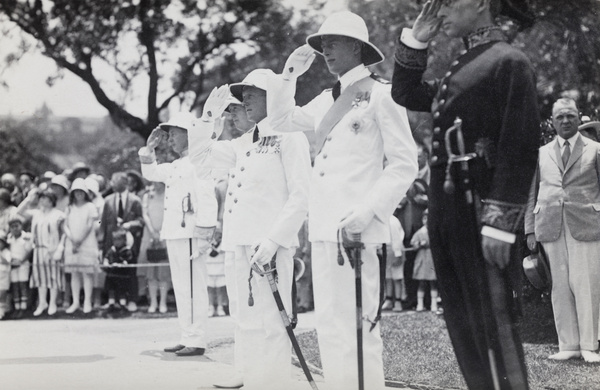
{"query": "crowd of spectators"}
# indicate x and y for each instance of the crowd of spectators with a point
(58, 250)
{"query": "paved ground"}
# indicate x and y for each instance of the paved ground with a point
(115, 354)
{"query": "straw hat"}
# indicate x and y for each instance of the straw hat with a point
(183, 120)
(79, 184)
(350, 25)
(257, 78)
(92, 185)
(62, 181)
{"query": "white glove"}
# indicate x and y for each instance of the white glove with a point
(298, 62)
(357, 220)
(217, 102)
(156, 137)
(264, 252)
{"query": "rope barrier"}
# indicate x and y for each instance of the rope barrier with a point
(115, 266)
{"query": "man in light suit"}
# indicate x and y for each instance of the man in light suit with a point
(122, 208)
(357, 126)
(188, 226)
(563, 213)
(265, 206)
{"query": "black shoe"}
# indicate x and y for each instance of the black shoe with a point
(190, 351)
(176, 348)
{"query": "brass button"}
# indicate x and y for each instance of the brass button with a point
(230, 193)
(232, 176)
(328, 138)
(229, 211)
(454, 63)
(437, 130)
(239, 185)
(441, 102)
(324, 156)
(436, 115)
(321, 173)
(248, 153)
(434, 159)
(235, 201)
(242, 169)
(444, 87)
(448, 74)
(436, 144)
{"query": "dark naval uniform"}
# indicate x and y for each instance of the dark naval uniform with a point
(491, 88)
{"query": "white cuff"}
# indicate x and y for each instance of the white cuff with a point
(407, 38)
(498, 234)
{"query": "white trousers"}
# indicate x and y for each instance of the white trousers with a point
(335, 309)
(193, 333)
(265, 346)
(575, 269)
(230, 284)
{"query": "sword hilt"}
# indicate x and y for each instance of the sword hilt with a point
(462, 157)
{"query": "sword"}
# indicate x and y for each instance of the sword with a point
(268, 272)
(353, 248)
(449, 187)
(191, 281)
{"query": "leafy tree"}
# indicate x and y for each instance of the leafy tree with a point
(564, 45)
(178, 50)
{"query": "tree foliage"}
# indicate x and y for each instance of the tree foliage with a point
(563, 45)
(177, 50)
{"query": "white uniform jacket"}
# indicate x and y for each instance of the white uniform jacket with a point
(268, 188)
(349, 171)
(180, 182)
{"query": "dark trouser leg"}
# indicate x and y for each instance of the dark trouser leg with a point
(410, 284)
(477, 311)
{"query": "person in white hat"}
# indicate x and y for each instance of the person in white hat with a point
(357, 126)
(265, 206)
(188, 226)
(242, 124)
(60, 185)
(81, 245)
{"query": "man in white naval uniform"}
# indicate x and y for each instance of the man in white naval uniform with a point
(266, 203)
(350, 188)
(242, 124)
(189, 221)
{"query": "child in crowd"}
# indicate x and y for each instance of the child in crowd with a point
(117, 278)
(21, 251)
(217, 292)
(424, 270)
(394, 270)
(4, 274)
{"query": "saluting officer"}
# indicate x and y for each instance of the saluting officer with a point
(266, 203)
(357, 126)
(189, 222)
(491, 88)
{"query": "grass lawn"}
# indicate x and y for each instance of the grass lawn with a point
(418, 353)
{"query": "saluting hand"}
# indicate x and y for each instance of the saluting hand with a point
(298, 62)
(155, 138)
(427, 24)
(217, 102)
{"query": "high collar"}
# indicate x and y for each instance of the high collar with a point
(353, 75)
(264, 129)
(484, 35)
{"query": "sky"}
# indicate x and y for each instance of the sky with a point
(27, 90)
